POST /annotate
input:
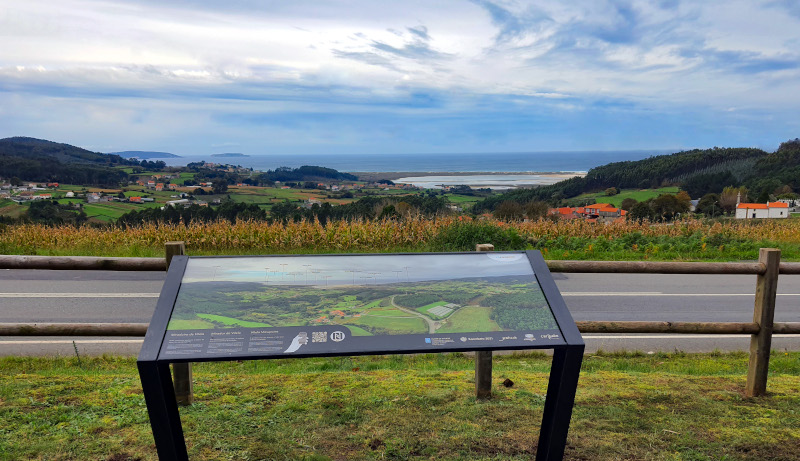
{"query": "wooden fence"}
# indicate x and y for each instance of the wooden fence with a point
(761, 329)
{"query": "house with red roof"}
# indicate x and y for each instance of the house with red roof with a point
(762, 210)
(603, 212)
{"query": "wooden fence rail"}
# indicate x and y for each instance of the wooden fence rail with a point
(761, 329)
(586, 267)
(139, 329)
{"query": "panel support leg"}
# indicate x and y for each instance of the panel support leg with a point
(165, 421)
(561, 389)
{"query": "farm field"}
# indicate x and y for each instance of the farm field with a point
(639, 195)
(687, 240)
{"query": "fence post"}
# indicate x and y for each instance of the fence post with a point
(181, 372)
(483, 359)
(763, 315)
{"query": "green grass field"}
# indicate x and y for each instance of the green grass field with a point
(661, 407)
(466, 319)
(639, 195)
(393, 320)
(357, 331)
(11, 208)
(231, 321)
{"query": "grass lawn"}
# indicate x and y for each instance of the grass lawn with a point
(466, 319)
(632, 407)
(639, 195)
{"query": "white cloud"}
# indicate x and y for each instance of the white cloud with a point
(305, 55)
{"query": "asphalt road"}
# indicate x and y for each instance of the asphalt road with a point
(100, 296)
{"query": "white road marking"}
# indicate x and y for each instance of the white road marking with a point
(79, 295)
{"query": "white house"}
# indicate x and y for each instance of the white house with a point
(762, 210)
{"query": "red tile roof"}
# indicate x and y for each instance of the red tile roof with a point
(753, 206)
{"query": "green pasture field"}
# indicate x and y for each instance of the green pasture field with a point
(464, 320)
(70, 187)
(71, 201)
(11, 208)
(231, 321)
(676, 407)
(357, 331)
(110, 211)
(639, 195)
(400, 323)
(462, 200)
(183, 177)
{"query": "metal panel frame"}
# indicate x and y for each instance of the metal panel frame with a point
(163, 408)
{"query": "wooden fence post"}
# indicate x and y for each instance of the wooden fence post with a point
(181, 372)
(483, 359)
(763, 315)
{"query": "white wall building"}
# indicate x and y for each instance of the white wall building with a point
(762, 210)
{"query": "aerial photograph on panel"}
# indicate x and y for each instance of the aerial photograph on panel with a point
(369, 295)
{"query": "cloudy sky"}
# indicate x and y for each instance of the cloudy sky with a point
(258, 76)
(359, 270)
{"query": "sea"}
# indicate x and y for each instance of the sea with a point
(508, 162)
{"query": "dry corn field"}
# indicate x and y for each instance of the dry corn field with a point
(414, 234)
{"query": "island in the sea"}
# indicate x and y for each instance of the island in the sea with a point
(230, 155)
(142, 155)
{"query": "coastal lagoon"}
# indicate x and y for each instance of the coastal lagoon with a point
(491, 181)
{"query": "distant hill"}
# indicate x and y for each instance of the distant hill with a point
(31, 159)
(697, 171)
(143, 154)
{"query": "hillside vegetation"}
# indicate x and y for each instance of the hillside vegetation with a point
(30, 159)
(698, 172)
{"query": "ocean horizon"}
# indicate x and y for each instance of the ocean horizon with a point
(507, 162)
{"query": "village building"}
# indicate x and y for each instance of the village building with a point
(181, 202)
(599, 212)
(767, 210)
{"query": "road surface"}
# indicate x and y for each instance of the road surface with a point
(101, 296)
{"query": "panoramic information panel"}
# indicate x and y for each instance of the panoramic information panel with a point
(279, 306)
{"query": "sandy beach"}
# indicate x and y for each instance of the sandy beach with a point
(393, 175)
(497, 181)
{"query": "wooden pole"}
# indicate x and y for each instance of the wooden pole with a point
(483, 359)
(181, 372)
(763, 315)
